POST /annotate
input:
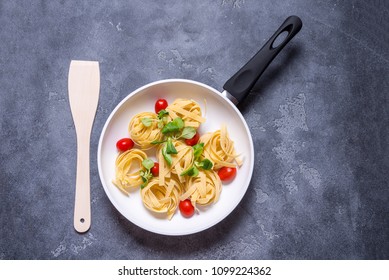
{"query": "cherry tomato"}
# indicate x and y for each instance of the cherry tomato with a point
(227, 173)
(124, 144)
(155, 169)
(186, 208)
(193, 141)
(161, 104)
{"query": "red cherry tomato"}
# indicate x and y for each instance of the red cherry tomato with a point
(161, 104)
(186, 208)
(124, 144)
(193, 141)
(155, 169)
(227, 173)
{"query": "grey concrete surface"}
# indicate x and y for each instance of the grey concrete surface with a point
(318, 117)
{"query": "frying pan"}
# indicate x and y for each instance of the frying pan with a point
(220, 108)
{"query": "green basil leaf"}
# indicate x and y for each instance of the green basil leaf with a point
(188, 132)
(170, 149)
(160, 124)
(162, 113)
(185, 172)
(170, 127)
(148, 163)
(195, 172)
(157, 142)
(179, 122)
(147, 122)
(166, 156)
(205, 164)
(146, 175)
(191, 171)
(198, 150)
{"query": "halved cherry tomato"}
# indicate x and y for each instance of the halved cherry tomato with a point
(193, 141)
(161, 104)
(227, 173)
(155, 169)
(124, 144)
(186, 208)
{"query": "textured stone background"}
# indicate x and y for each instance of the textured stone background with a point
(318, 116)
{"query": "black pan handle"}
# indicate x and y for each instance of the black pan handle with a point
(244, 80)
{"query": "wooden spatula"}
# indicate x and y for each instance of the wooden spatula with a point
(84, 88)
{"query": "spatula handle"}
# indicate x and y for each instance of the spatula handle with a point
(82, 207)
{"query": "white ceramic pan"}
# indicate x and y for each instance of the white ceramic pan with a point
(220, 108)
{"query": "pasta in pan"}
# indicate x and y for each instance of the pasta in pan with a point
(180, 162)
(220, 148)
(188, 166)
(141, 134)
(187, 109)
(162, 199)
(204, 189)
(128, 165)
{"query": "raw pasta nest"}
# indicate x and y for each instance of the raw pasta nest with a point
(128, 165)
(162, 198)
(181, 161)
(204, 189)
(143, 135)
(187, 109)
(219, 148)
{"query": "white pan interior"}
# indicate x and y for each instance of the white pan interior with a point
(217, 111)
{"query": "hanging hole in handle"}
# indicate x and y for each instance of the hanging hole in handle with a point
(82, 220)
(279, 39)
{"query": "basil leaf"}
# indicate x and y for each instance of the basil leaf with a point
(147, 122)
(148, 163)
(162, 121)
(195, 172)
(146, 175)
(170, 127)
(157, 142)
(170, 149)
(198, 150)
(144, 179)
(173, 126)
(192, 171)
(179, 122)
(188, 132)
(162, 113)
(205, 164)
(167, 157)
